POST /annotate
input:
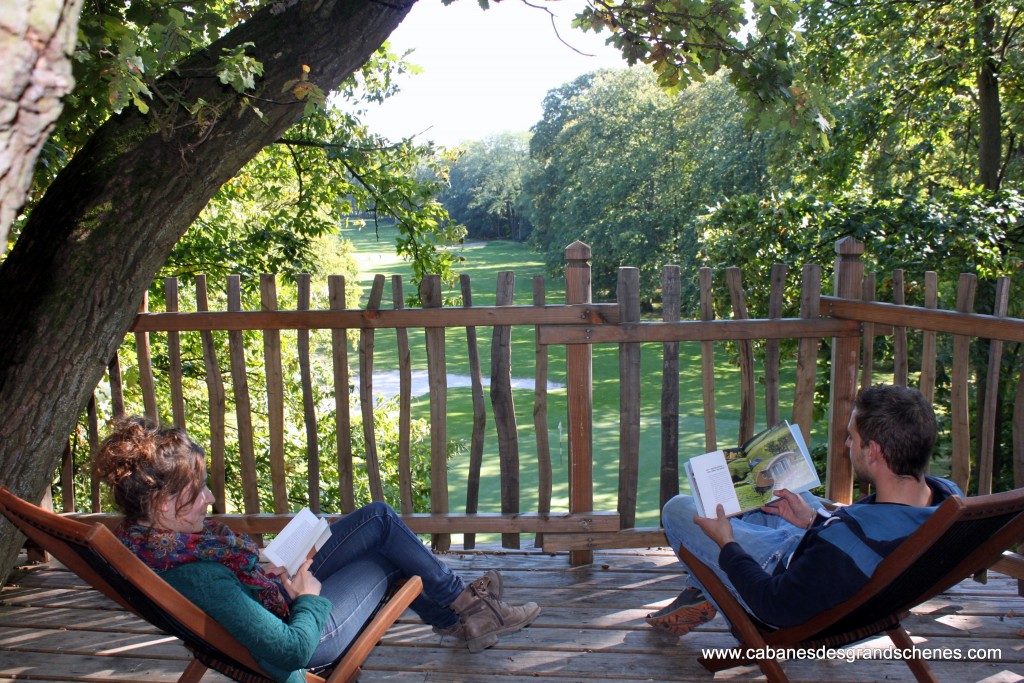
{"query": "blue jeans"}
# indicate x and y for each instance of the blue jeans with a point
(366, 552)
(768, 539)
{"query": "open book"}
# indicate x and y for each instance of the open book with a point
(745, 478)
(304, 533)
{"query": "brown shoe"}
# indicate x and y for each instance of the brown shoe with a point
(484, 617)
(685, 613)
(495, 586)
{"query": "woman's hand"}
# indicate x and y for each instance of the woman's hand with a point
(792, 508)
(718, 528)
(303, 583)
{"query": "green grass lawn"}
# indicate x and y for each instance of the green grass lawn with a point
(483, 263)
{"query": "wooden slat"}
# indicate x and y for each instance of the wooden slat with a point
(869, 291)
(734, 279)
(308, 401)
(1012, 564)
(366, 402)
(629, 398)
(807, 353)
(243, 407)
(216, 402)
(989, 405)
(1017, 448)
(707, 357)
(699, 330)
(926, 384)
(93, 420)
(901, 363)
(480, 316)
(849, 275)
(771, 347)
(342, 412)
(476, 442)
(671, 301)
(540, 411)
(116, 387)
(145, 359)
(953, 322)
(405, 482)
(437, 380)
(503, 405)
(174, 377)
(960, 425)
(579, 373)
(67, 475)
(275, 396)
(627, 538)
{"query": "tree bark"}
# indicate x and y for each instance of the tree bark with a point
(989, 106)
(36, 42)
(71, 285)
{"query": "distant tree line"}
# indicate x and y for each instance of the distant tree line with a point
(618, 162)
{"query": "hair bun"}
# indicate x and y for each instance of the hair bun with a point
(125, 451)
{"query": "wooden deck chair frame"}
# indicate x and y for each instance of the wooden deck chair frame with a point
(963, 536)
(98, 557)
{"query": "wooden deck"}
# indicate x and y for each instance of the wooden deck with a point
(52, 627)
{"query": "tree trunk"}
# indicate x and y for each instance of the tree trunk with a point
(76, 276)
(36, 42)
(989, 107)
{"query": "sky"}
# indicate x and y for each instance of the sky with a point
(484, 72)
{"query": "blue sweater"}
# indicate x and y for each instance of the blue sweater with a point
(833, 560)
(282, 648)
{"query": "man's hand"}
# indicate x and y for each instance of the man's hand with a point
(718, 528)
(792, 508)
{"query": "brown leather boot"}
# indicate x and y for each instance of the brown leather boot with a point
(495, 586)
(484, 617)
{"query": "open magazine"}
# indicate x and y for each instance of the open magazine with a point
(745, 478)
(304, 533)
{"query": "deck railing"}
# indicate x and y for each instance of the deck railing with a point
(848, 322)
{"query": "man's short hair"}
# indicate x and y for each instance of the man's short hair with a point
(902, 423)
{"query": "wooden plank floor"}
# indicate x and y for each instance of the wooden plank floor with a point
(52, 627)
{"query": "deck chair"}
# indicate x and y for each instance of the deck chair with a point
(963, 536)
(98, 557)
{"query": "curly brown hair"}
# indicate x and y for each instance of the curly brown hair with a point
(145, 466)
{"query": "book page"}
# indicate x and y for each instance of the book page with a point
(290, 548)
(776, 458)
(711, 478)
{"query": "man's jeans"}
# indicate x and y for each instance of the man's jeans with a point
(366, 552)
(768, 539)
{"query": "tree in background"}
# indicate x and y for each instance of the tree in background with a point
(628, 167)
(485, 187)
(916, 67)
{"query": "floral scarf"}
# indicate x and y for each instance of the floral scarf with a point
(162, 550)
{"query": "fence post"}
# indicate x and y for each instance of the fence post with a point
(629, 399)
(849, 274)
(579, 390)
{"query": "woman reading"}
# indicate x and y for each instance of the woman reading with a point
(288, 624)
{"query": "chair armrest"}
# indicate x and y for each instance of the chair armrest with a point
(348, 668)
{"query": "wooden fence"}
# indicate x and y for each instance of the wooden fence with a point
(848, 323)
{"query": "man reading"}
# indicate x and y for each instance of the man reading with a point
(793, 559)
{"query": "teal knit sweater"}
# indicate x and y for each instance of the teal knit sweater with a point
(281, 647)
